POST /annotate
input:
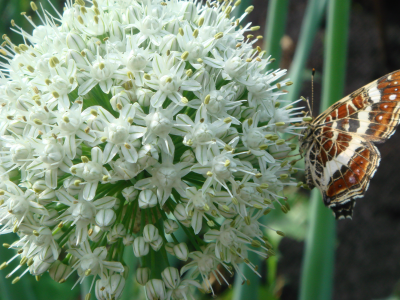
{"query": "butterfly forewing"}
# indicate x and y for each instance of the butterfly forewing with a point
(341, 159)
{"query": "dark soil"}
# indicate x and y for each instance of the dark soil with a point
(367, 256)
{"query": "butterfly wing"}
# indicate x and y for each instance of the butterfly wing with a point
(342, 158)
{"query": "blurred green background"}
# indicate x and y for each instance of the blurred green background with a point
(349, 43)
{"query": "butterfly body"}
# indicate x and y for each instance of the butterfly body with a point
(338, 146)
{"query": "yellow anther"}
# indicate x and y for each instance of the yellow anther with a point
(93, 112)
(280, 142)
(219, 35)
(200, 22)
(249, 9)
(185, 55)
(227, 120)
(278, 232)
(189, 73)
(15, 280)
(37, 122)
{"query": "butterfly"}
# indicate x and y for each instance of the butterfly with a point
(338, 145)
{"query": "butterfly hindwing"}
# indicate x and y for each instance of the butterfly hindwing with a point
(341, 158)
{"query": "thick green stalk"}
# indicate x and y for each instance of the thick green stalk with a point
(317, 273)
(311, 22)
(274, 29)
(130, 284)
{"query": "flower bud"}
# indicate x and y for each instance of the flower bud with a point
(128, 239)
(39, 266)
(140, 247)
(39, 186)
(180, 212)
(119, 230)
(150, 233)
(76, 57)
(75, 42)
(144, 96)
(147, 198)
(156, 245)
(171, 277)
(169, 247)
(181, 251)
(143, 275)
(112, 285)
(96, 234)
(130, 193)
(58, 271)
(155, 289)
(105, 217)
(170, 226)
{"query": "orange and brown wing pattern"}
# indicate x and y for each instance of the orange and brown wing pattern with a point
(372, 112)
(341, 166)
(342, 158)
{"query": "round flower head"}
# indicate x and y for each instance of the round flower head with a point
(120, 122)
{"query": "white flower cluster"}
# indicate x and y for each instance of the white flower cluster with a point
(124, 120)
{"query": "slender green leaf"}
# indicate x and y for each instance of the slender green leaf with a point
(311, 22)
(274, 29)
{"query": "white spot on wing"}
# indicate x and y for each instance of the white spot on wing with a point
(342, 159)
(392, 97)
(374, 94)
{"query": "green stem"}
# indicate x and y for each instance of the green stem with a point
(311, 22)
(274, 29)
(317, 273)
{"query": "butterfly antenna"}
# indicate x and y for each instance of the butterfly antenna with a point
(312, 90)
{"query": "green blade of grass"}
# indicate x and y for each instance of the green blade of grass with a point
(311, 22)
(274, 29)
(317, 273)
